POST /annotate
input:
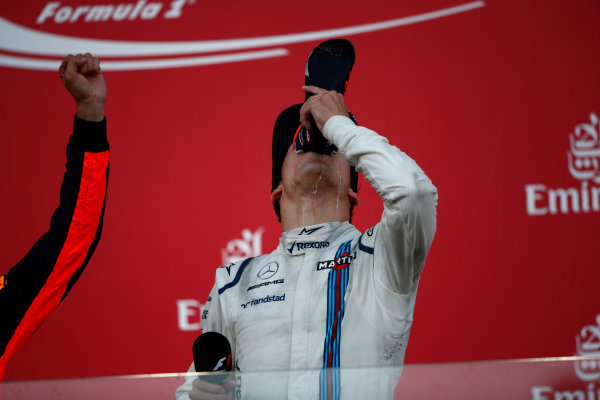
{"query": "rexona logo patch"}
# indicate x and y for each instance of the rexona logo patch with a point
(339, 263)
(307, 246)
(583, 159)
(59, 13)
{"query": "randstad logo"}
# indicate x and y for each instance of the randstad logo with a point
(584, 165)
(60, 13)
(267, 299)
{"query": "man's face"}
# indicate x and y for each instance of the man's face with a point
(315, 174)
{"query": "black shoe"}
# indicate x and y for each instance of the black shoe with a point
(328, 67)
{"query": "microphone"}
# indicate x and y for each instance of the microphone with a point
(212, 353)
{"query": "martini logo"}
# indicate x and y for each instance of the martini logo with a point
(584, 165)
(249, 245)
(338, 264)
(60, 13)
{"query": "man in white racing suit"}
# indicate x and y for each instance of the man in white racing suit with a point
(329, 296)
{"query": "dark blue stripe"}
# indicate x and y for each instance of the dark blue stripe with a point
(237, 276)
(364, 248)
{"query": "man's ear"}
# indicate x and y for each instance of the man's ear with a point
(276, 195)
(352, 196)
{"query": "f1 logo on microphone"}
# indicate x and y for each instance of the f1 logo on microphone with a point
(223, 364)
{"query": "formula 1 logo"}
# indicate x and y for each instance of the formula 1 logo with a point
(223, 363)
(61, 13)
(22, 47)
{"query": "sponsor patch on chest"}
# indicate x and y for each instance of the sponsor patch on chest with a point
(337, 263)
(263, 300)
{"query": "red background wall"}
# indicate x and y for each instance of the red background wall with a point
(485, 100)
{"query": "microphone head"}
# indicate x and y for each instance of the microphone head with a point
(212, 353)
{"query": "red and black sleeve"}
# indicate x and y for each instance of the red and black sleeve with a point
(34, 287)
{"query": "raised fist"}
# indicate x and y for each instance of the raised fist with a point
(83, 78)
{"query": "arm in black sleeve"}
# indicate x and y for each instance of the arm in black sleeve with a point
(40, 281)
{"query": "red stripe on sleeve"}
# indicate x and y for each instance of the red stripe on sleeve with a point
(82, 231)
